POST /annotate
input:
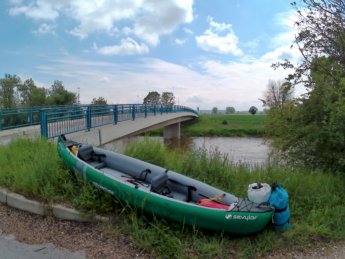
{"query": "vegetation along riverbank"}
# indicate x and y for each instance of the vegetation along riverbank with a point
(222, 125)
(316, 199)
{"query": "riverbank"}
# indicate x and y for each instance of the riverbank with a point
(315, 200)
(226, 125)
(221, 125)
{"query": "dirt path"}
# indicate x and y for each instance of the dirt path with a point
(89, 239)
(86, 238)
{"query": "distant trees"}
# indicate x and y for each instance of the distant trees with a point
(253, 110)
(58, 95)
(277, 94)
(230, 110)
(99, 100)
(154, 98)
(15, 93)
(8, 96)
(214, 110)
(167, 99)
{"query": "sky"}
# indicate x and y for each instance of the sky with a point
(209, 53)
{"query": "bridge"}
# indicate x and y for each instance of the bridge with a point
(93, 124)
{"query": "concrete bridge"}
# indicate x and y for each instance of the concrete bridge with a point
(101, 124)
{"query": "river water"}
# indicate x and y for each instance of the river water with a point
(252, 151)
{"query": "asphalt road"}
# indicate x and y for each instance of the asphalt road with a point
(10, 248)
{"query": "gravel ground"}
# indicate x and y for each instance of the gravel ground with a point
(89, 238)
(86, 238)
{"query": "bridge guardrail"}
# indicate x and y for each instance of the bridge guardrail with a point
(56, 121)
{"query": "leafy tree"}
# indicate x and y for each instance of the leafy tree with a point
(214, 110)
(230, 110)
(99, 100)
(311, 130)
(253, 110)
(8, 85)
(38, 96)
(58, 95)
(278, 93)
(152, 98)
(167, 99)
(321, 32)
(31, 95)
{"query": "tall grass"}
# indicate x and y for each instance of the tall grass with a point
(32, 167)
(316, 202)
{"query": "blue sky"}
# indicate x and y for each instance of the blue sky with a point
(209, 53)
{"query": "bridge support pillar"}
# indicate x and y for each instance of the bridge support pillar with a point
(172, 131)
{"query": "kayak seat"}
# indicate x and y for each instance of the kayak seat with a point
(87, 154)
(159, 184)
(178, 196)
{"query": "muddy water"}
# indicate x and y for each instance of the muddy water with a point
(251, 151)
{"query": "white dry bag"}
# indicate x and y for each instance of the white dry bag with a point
(259, 192)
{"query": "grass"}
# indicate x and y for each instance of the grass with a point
(226, 126)
(32, 167)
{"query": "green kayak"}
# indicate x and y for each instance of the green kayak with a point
(162, 192)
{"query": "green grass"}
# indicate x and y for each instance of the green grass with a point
(32, 167)
(226, 126)
(316, 202)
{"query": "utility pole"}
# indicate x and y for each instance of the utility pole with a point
(78, 96)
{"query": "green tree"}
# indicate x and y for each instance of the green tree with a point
(38, 96)
(58, 95)
(253, 110)
(167, 99)
(8, 86)
(230, 110)
(99, 100)
(152, 98)
(310, 131)
(214, 110)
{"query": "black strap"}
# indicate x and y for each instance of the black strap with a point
(281, 210)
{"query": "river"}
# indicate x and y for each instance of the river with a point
(252, 151)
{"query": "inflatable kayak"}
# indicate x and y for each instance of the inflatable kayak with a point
(162, 192)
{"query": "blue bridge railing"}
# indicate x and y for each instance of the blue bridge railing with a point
(68, 119)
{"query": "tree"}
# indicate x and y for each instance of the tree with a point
(214, 110)
(253, 110)
(321, 31)
(58, 95)
(152, 98)
(99, 100)
(167, 99)
(311, 130)
(277, 94)
(230, 110)
(8, 85)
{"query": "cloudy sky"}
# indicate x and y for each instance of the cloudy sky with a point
(208, 53)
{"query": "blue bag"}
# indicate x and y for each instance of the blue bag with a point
(279, 199)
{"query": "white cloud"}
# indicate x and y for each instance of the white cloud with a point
(287, 23)
(146, 19)
(127, 47)
(161, 17)
(212, 40)
(180, 41)
(38, 10)
(45, 29)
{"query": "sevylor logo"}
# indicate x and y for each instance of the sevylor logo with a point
(239, 217)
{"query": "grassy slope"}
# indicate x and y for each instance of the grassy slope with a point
(226, 125)
(316, 199)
